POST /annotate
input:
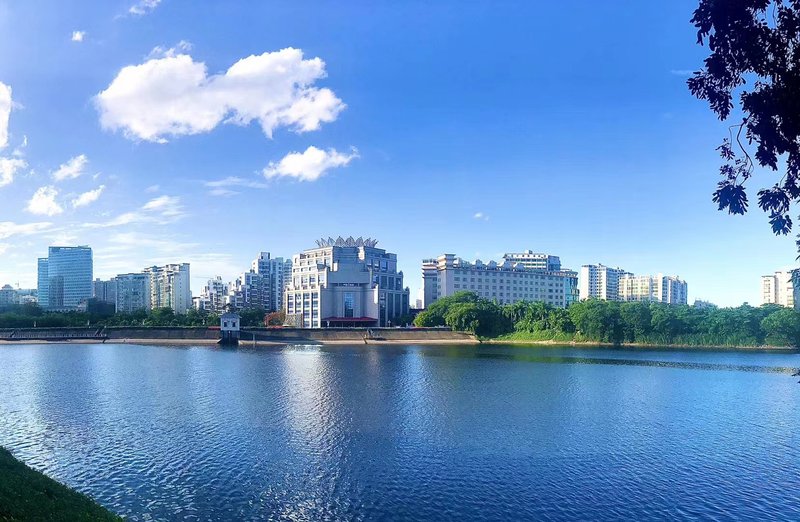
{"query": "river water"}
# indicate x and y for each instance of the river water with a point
(409, 432)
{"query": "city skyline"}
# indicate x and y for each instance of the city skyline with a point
(394, 133)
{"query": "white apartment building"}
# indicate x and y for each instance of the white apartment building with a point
(132, 292)
(345, 282)
(506, 283)
(169, 287)
(778, 288)
(600, 282)
(655, 289)
(213, 296)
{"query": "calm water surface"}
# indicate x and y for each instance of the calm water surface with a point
(409, 432)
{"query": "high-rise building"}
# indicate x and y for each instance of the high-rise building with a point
(600, 282)
(42, 282)
(132, 292)
(655, 289)
(506, 283)
(276, 273)
(345, 282)
(105, 291)
(778, 288)
(65, 277)
(213, 296)
(170, 287)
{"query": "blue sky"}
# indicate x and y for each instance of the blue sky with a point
(472, 128)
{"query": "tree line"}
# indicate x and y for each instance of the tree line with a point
(616, 322)
(31, 315)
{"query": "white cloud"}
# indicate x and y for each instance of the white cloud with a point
(44, 202)
(480, 215)
(161, 210)
(71, 169)
(166, 205)
(153, 188)
(5, 113)
(8, 168)
(88, 197)
(219, 187)
(682, 72)
(9, 229)
(143, 7)
(78, 36)
(173, 95)
(20, 150)
(309, 165)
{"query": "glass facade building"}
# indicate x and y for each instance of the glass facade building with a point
(65, 277)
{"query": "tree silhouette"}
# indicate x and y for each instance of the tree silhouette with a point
(753, 73)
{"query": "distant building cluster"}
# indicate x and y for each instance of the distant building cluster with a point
(531, 276)
(615, 284)
(260, 287)
(165, 286)
(351, 282)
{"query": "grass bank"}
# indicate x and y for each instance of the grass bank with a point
(26, 494)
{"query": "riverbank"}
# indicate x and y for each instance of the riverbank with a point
(26, 494)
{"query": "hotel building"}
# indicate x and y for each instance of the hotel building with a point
(655, 289)
(345, 282)
(506, 283)
(778, 288)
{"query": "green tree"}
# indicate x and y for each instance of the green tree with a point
(753, 67)
(782, 328)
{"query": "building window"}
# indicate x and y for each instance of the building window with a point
(348, 304)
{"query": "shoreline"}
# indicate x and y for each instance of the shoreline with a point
(244, 343)
(390, 342)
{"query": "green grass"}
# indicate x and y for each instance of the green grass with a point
(541, 335)
(26, 494)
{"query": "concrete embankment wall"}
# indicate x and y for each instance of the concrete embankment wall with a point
(356, 334)
(165, 332)
(287, 335)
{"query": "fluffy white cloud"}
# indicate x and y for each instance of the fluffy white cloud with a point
(8, 168)
(309, 165)
(173, 95)
(88, 197)
(44, 202)
(77, 36)
(71, 169)
(5, 113)
(142, 7)
(480, 215)
(9, 229)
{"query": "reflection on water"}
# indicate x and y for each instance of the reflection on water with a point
(409, 432)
